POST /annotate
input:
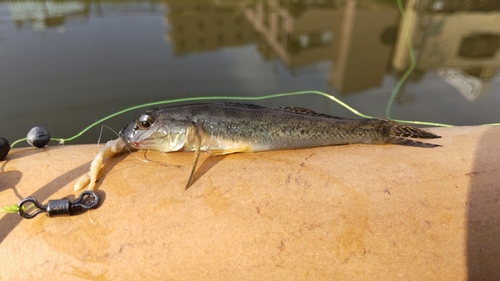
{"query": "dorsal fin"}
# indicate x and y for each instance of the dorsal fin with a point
(242, 105)
(305, 111)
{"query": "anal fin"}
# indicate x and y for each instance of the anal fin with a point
(408, 142)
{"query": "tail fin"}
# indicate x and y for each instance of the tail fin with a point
(405, 131)
(398, 133)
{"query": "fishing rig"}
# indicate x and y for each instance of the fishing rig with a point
(40, 137)
(29, 207)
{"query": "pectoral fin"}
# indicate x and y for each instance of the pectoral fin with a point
(197, 148)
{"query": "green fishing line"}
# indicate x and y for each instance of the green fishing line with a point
(11, 209)
(405, 34)
(14, 208)
(62, 140)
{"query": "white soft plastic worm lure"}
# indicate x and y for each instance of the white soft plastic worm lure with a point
(111, 149)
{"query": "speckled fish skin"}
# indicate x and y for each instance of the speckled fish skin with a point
(225, 128)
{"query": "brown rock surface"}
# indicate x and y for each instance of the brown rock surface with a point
(352, 212)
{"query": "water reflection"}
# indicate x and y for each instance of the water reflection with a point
(456, 38)
(362, 39)
(201, 26)
(45, 14)
(303, 32)
(300, 34)
(108, 55)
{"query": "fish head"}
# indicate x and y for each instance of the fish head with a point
(156, 132)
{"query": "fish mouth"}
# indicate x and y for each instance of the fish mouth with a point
(125, 137)
(136, 145)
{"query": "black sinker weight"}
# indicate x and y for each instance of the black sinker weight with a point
(4, 148)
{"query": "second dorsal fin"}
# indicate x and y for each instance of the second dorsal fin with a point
(305, 111)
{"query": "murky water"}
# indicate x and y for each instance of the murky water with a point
(66, 64)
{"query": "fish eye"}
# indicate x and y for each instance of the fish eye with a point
(145, 121)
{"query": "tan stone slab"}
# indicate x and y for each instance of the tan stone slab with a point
(353, 212)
